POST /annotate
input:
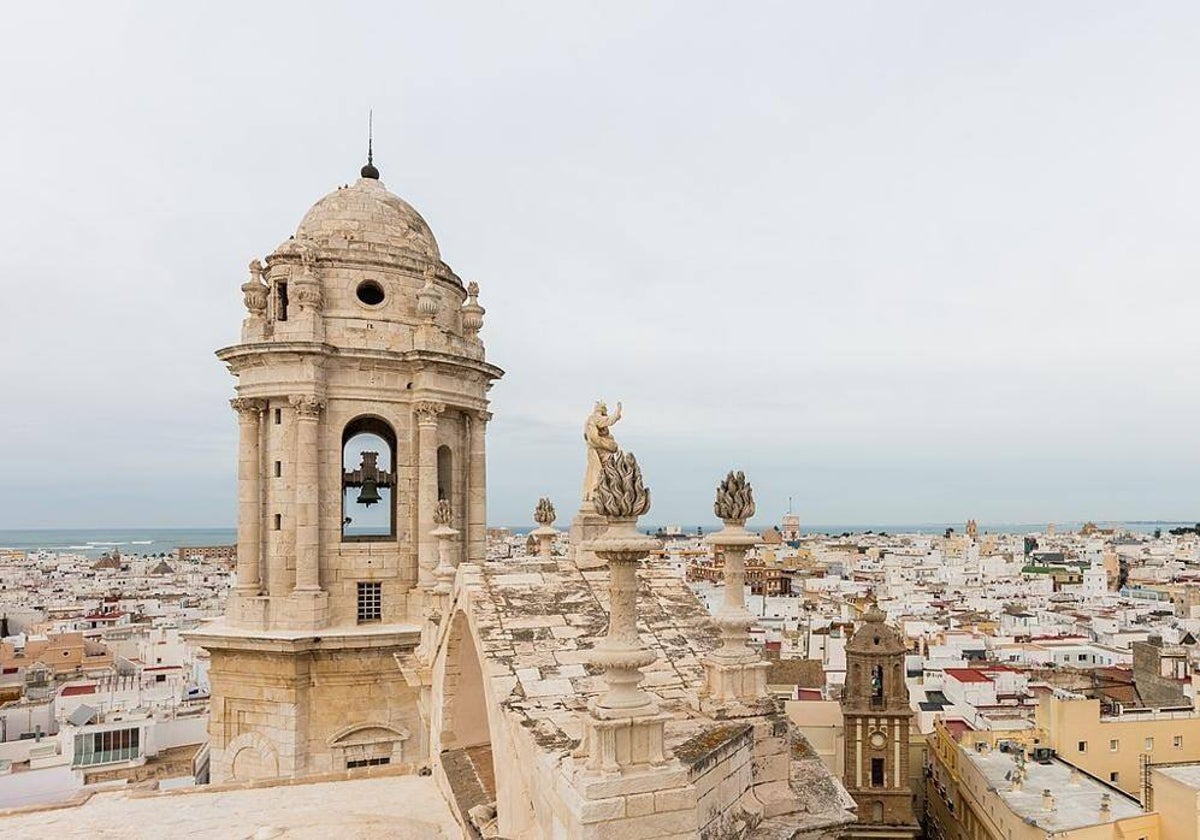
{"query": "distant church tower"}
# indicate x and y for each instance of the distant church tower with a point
(361, 401)
(877, 720)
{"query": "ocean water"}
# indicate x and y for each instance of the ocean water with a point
(96, 541)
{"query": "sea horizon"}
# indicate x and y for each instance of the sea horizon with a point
(150, 541)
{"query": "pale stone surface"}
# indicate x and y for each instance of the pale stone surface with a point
(314, 358)
(400, 807)
(485, 673)
(517, 612)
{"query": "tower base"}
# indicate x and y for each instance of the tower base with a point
(288, 704)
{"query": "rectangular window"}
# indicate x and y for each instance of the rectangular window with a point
(1149, 744)
(370, 602)
(1178, 742)
(876, 772)
(366, 762)
(278, 416)
(1114, 745)
(1114, 776)
(278, 468)
(1083, 746)
(279, 522)
(106, 747)
(281, 302)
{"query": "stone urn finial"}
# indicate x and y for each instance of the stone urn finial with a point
(254, 291)
(472, 312)
(428, 300)
(443, 573)
(735, 499)
(734, 672)
(544, 514)
(620, 493)
(443, 514)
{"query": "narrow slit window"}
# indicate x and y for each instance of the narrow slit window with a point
(278, 469)
(876, 772)
(281, 301)
(278, 521)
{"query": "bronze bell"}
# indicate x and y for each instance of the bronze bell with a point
(369, 494)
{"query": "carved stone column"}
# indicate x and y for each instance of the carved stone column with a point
(307, 503)
(734, 672)
(477, 488)
(249, 533)
(624, 730)
(427, 489)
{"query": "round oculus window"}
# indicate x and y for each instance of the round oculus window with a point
(370, 293)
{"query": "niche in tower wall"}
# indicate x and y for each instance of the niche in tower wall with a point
(445, 472)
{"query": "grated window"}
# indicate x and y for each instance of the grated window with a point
(370, 601)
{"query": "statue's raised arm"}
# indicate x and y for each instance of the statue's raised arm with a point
(600, 444)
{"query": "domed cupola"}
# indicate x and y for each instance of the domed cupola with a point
(365, 219)
(876, 636)
(363, 271)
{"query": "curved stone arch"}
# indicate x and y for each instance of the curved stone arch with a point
(463, 711)
(342, 735)
(366, 743)
(460, 652)
(266, 760)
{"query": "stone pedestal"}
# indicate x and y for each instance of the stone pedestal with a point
(742, 682)
(586, 527)
(545, 536)
(615, 742)
(734, 673)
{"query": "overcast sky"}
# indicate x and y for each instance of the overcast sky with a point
(903, 262)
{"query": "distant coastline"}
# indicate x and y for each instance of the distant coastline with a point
(96, 541)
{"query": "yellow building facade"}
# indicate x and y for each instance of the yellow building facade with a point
(1115, 747)
(989, 786)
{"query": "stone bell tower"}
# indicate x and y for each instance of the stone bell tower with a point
(361, 402)
(877, 719)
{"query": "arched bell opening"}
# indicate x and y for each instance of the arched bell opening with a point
(368, 480)
(877, 684)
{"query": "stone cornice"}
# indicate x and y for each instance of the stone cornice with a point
(239, 352)
(220, 636)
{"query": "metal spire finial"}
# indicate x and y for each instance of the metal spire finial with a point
(369, 171)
